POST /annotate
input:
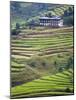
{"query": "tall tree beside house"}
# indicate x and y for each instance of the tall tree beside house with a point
(68, 21)
(65, 13)
(70, 11)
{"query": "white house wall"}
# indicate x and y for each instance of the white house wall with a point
(52, 23)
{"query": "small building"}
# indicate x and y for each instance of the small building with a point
(54, 21)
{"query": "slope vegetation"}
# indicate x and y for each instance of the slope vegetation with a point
(59, 84)
(36, 55)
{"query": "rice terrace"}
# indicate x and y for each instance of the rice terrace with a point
(42, 49)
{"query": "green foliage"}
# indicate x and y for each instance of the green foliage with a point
(48, 85)
(38, 55)
(68, 12)
(33, 64)
(44, 64)
(71, 10)
(55, 63)
(15, 32)
(31, 24)
(15, 6)
(68, 21)
(70, 63)
(37, 60)
(48, 14)
(17, 26)
(25, 12)
(44, 54)
(67, 90)
(61, 69)
(68, 16)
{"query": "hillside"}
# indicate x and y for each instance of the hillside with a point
(23, 13)
(42, 57)
(38, 54)
(54, 85)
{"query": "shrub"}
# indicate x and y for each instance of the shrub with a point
(32, 64)
(61, 69)
(68, 20)
(44, 64)
(70, 63)
(15, 32)
(17, 26)
(67, 90)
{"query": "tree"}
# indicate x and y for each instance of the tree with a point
(44, 64)
(70, 10)
(61, 69)
(55, 63)
(69, 63)
(67, 90)
(31, 24)
(68, 21)
(15, 32)
(65, 13)
(17, 26)
(33, 64)
(48, 14)
(15, 6)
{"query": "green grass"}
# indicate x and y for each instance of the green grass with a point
(46, 30)
(43, 86)
(41, 43)
(35, 57)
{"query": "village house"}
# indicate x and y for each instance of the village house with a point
(54, 21)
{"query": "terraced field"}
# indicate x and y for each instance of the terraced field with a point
(36, 55)
(59, 10)
(27, 47)
(46, 86)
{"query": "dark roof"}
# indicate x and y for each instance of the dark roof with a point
(54, 18)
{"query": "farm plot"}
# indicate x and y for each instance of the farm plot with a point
(59, 84)
(38, 56)
(27, 48)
